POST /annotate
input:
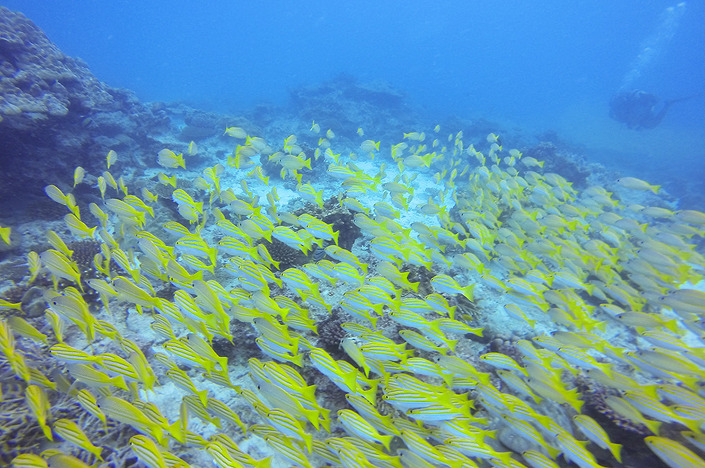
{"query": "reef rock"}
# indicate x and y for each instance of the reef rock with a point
(344, 104)
(55, 115)
(38, 81)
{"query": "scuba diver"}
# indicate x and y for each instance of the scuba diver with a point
(639, 109)
(634, 107)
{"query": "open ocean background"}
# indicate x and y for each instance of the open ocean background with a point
(539, 66)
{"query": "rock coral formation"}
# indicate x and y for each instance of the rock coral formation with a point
(330, 334)
(39, 82)
(341, 219)
(56, 115)
(570, 165)
(287, 257)
(344, 103)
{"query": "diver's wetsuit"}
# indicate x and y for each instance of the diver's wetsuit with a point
(639, 109)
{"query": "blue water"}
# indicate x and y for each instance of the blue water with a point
(543, 65)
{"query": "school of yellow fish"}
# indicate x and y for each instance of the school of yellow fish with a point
(601, 289)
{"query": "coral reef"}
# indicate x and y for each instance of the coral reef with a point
(39, 82)
(622, 430)
(621, 427)
(199, 125)
(287, 257)
(340, 218)
(568, 164)
(83, 253)
(330, 334)
(56, 115)
(344, 104)
(272, 170)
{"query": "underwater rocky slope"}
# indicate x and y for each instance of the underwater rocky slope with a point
(331, 284)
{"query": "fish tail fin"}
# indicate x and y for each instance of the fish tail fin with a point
(468, 292)
(370, 394)
(413, 286)
(552, 451)
(451, 344)
(203, 396)
(319, 198)
(672, 325)
(297, 359)
(47, 431)
(176, 430)
(616, 450)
